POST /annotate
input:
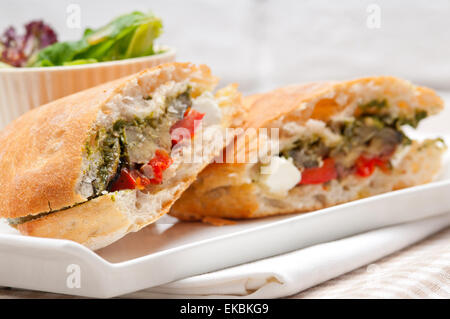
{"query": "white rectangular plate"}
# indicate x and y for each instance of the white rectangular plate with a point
(170, 250)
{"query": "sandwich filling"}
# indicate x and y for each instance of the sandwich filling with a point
(134, 151)
(125, 149)
(372, 139)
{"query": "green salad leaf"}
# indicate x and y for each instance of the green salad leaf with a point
(128, 36)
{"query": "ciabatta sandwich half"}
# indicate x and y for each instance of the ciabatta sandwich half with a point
(335, 142)
(96, 165)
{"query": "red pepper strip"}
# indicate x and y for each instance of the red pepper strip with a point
(190, 122)
(125, 181)
(366, 166)
(319, 175)
(136, 180)
(130, 180)
(159, 164)
(141, 179)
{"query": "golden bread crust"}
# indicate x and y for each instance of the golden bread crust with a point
(96, 218)
(98, 222)
(42, 151)
(292, 102)
(41, 154)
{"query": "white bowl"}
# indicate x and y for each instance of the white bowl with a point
(22, 89)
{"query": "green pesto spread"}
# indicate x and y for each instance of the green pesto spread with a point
(120, 145)
(25, 219)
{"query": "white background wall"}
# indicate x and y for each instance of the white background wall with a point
(267, 43)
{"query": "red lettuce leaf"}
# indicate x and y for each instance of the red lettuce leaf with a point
(16, 49)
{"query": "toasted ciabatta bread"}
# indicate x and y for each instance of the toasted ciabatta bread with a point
(336, 142)
(96, 165)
